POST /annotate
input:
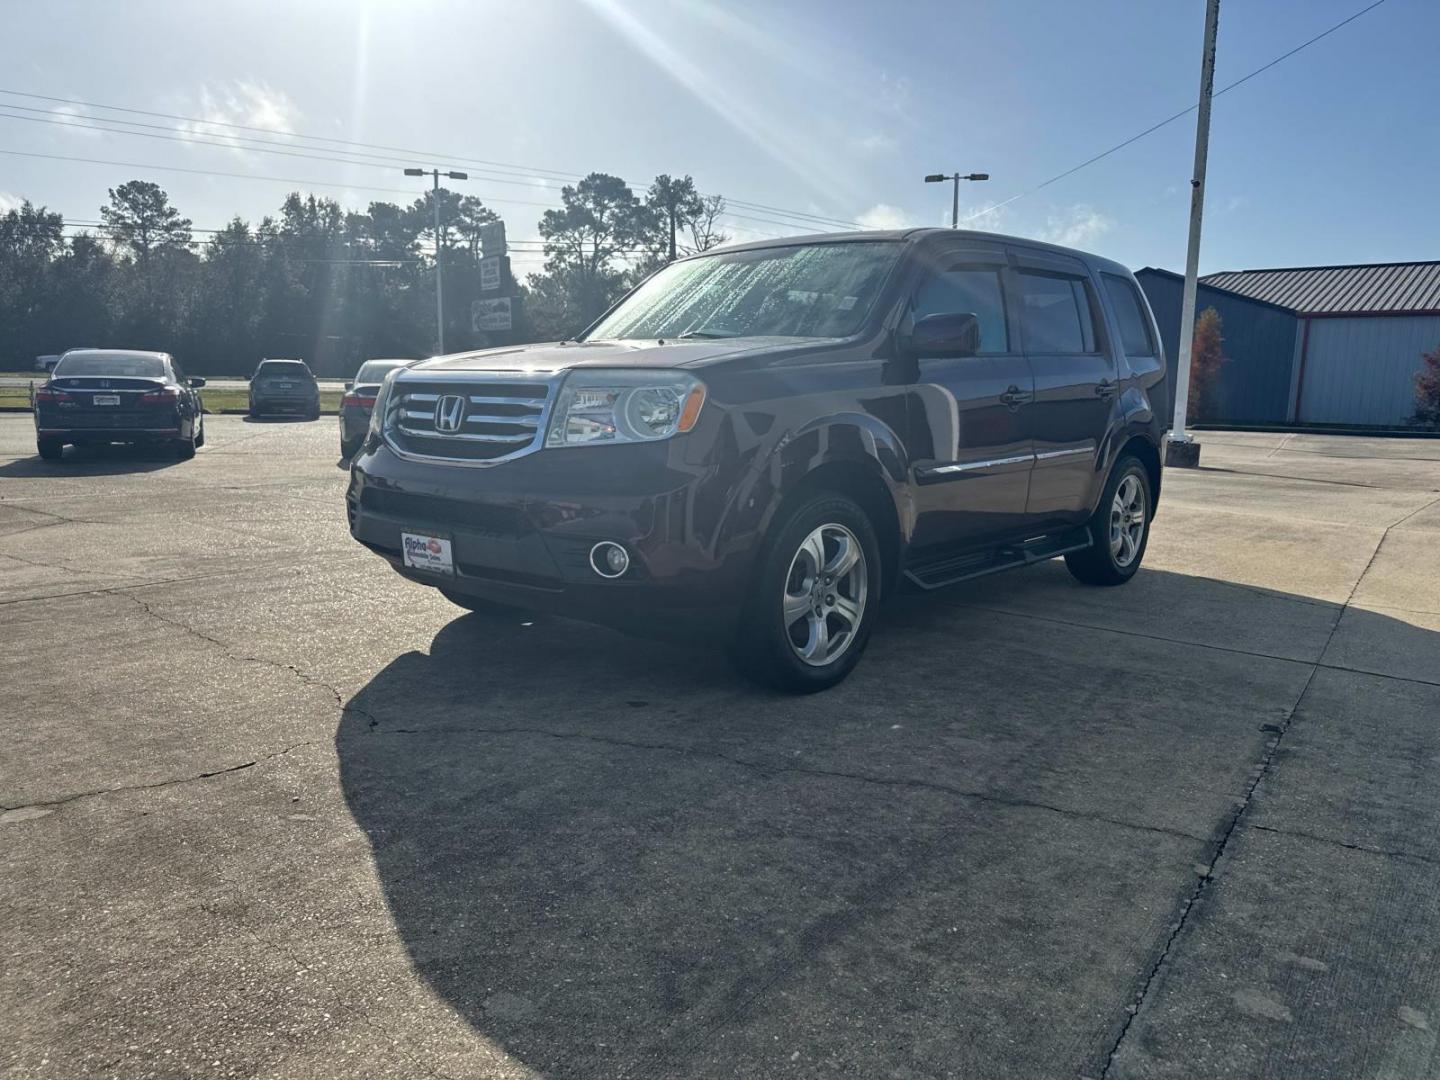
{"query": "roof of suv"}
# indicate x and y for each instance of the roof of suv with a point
(917, 235)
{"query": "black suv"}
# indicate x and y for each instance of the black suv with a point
(284, 386)
(97, 396)
(763, 441)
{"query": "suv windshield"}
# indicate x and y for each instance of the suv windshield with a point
(121, 365)
(804, 291)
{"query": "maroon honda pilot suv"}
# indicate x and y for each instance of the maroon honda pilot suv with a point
(761, 442)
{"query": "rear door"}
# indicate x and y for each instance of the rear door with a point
(1075, 382)
(969, 439)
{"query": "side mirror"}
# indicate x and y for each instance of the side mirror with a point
(948, 334)
(196, 381)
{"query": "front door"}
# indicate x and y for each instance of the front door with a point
(1075, 383)
(970, 443)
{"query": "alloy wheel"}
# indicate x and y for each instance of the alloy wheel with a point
(825, 594)
(1127, 520)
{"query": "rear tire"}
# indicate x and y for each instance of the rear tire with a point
(50, 449)
(815, 597)
(474, 603)
(200, 435)
(314, 413)
(1119, 528)
(350, 449)
(185, 448)
(253, 412)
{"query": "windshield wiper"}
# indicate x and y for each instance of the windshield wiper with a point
(705, 334)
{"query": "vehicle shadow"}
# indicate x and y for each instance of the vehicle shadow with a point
(110, 460)
(611, 856)
(278, 419)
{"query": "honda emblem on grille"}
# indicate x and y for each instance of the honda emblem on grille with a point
(449, 413)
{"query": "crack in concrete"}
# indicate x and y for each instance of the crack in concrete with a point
(1242, 805)
(778, 768)
(153, 785)
(1389, 853)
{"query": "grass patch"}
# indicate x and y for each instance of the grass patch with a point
(216, 401)
(228, 401)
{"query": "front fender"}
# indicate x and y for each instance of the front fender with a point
(851, 440)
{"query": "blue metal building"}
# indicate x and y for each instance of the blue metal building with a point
(1318, 345)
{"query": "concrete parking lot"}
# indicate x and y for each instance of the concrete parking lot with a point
(272, 811)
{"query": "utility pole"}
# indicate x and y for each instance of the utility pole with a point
(940, 178)
(1180, 448)
(439, 252)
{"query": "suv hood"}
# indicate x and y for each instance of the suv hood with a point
(558, 356)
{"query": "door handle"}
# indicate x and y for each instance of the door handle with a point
(1014, 397)
(1105, 389)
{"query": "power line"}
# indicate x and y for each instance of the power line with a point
(532, 172)
(1176, 116)
(246, 176)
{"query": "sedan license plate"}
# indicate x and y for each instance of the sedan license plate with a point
(430, 553)
(284, 386)
(106, 399)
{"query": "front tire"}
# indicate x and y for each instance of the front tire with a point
(817, 590)
(50, 449)
(1119, 528)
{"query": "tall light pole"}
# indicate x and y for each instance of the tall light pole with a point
(940, 178)
(439, 252)
(1180, 449)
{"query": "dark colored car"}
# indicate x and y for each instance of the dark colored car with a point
(764, 441)
(284, 386)
(359, 399)
(118, 395)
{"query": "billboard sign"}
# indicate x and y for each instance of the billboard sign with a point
(492, 238)
(490, 315)
(490, 274)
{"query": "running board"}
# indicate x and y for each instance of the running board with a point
(939, 571)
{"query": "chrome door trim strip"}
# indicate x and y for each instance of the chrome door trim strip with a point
(1049, 455)
(970, 466)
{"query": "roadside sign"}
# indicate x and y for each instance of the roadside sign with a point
(492, 238)
(490, 314)
(490, 273)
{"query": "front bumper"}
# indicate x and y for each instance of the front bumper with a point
(521, 532)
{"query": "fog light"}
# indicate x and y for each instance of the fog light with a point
(609, 559)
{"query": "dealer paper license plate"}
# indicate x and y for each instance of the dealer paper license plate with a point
(428, 553)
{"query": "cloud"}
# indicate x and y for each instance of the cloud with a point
(872, 144)
(884, 216)
(1075, 226)
(252, 104)
(9, 201)
(76, 121)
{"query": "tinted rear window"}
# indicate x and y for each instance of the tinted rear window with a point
(1134, 326)
(119, 365)
(290, 369)
(375, 370)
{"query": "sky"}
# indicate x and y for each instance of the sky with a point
(835, 108)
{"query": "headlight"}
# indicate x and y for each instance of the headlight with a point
(377, 413)
(597, 406)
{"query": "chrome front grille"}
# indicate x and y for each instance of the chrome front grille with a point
(481, 419)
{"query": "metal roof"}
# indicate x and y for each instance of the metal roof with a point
(1372, 289)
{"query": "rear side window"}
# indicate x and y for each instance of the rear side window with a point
(975, 290)
(1057, 313)
(1135, 336)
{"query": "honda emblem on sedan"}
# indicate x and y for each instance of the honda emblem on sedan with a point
(449, 413)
